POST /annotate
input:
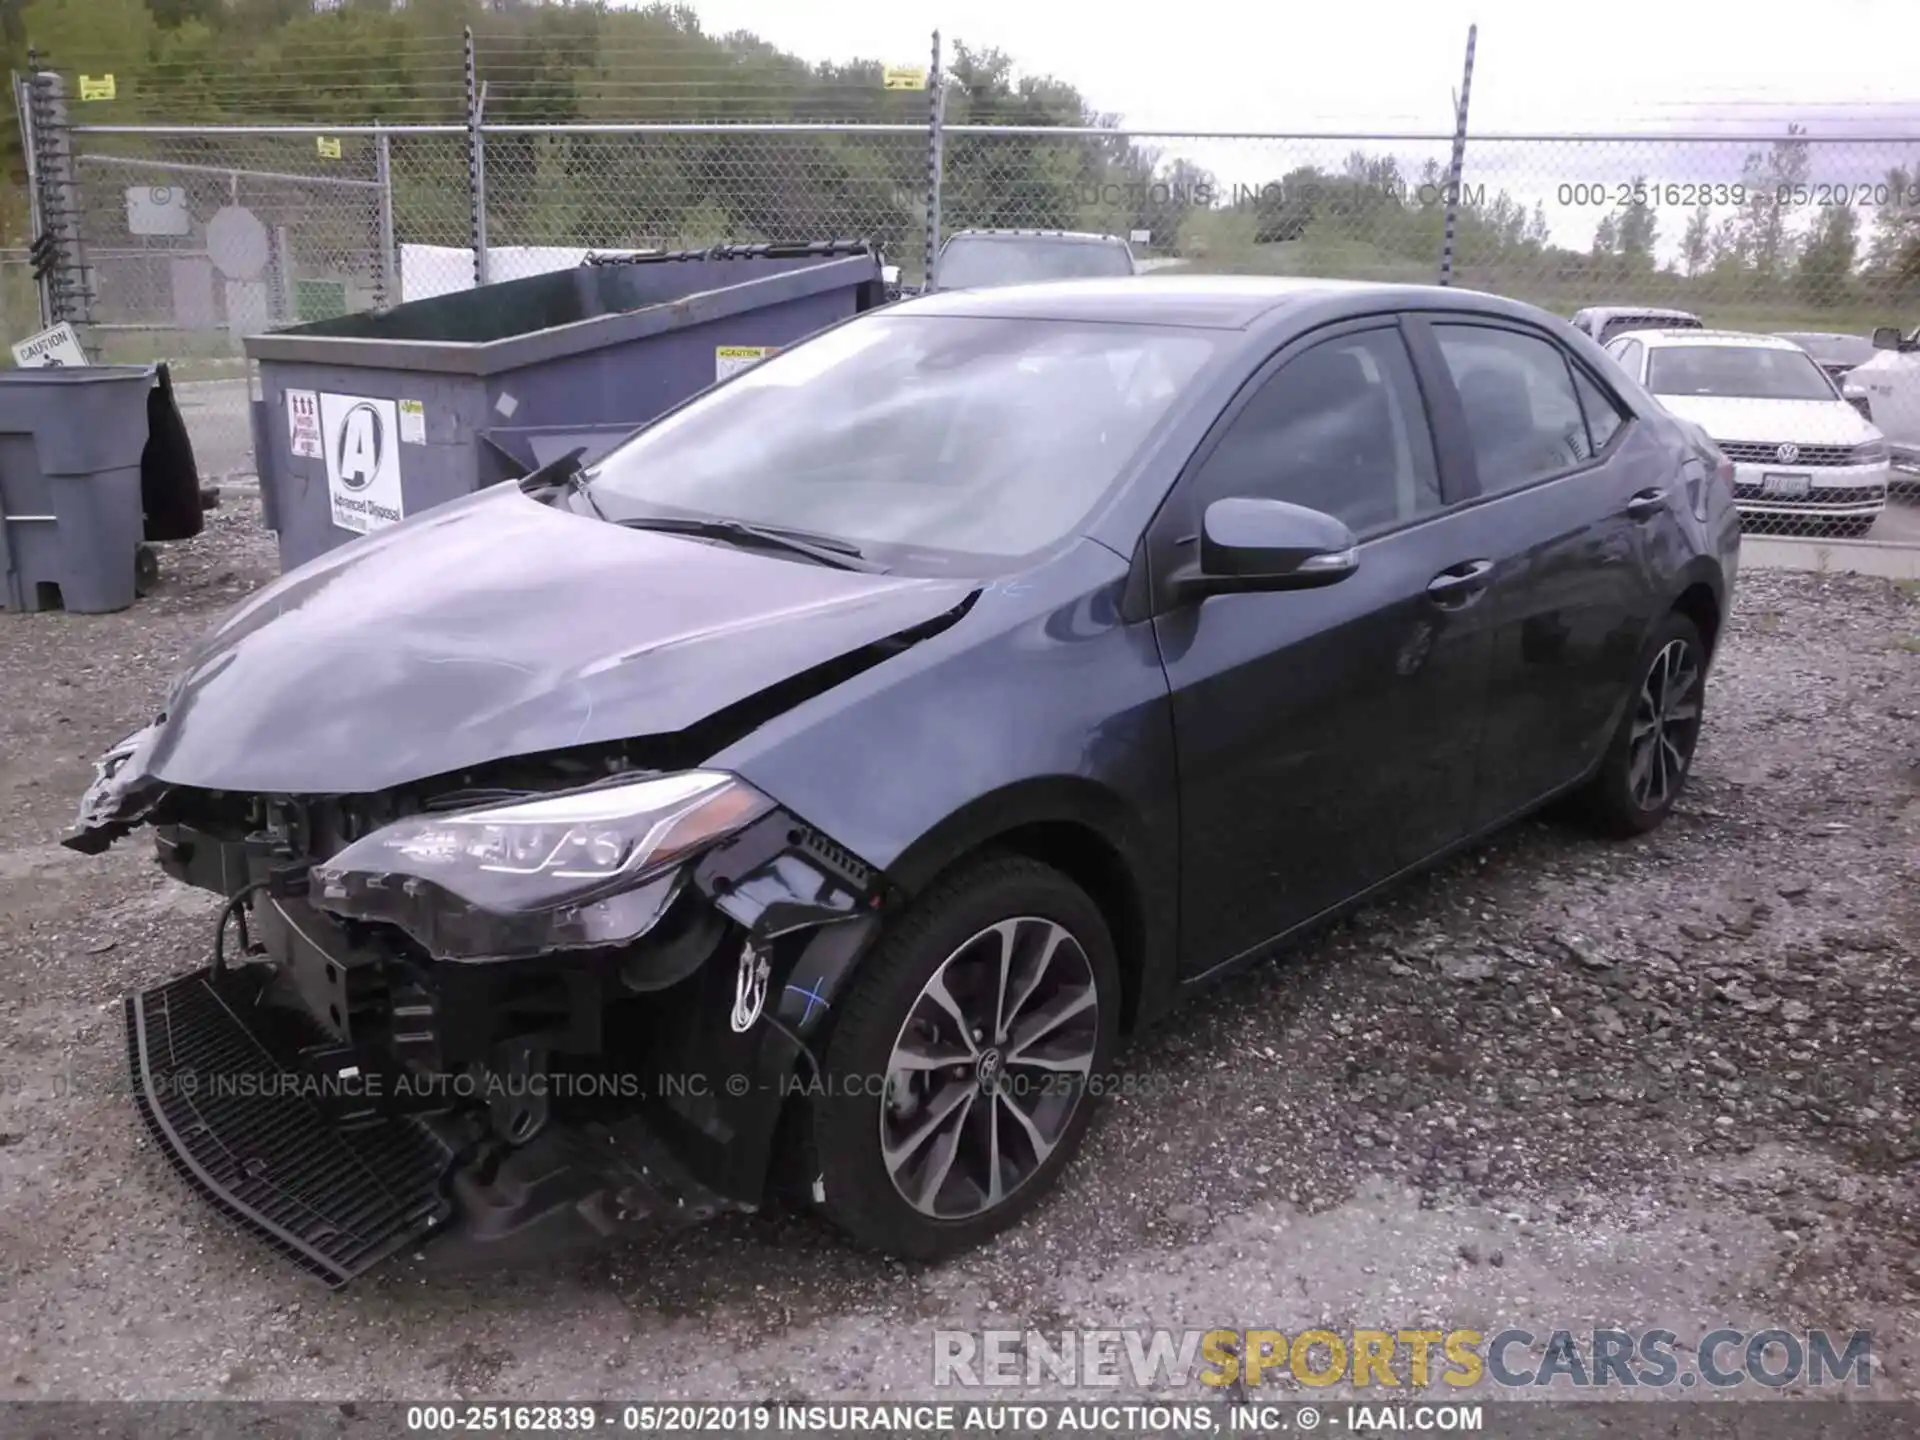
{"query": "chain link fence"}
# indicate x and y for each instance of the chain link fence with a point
(195, 237)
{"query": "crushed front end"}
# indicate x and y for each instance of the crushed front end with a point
(510, 1010)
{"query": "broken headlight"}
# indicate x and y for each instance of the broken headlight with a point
(577, 870)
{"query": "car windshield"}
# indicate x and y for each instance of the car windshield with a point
(936, 444)
(1747, 371)
(972, 262)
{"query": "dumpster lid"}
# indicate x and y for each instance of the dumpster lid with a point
(518, 323)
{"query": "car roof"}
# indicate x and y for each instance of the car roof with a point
(1651, 311)
(1741, 339)
(1222, 302)
(1088, 235)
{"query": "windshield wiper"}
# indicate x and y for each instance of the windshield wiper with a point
(837, 553)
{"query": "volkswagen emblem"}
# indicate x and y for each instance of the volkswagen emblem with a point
(1787, 454)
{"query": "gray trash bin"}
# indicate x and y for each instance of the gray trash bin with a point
(366, 419)
(71, 520)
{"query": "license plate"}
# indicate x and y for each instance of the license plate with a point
(1786, 487)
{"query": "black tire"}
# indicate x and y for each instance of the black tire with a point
(842, 1120)
(1616, 801)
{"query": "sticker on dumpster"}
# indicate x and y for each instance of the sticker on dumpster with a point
(732, 359)
(53, 348)
(363, 461)
(303, 424)
(413, 422)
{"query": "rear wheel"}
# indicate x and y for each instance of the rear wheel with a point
(957, 1078)
(1651, 754)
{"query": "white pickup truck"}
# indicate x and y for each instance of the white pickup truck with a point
(1891, 380)
(975, 259)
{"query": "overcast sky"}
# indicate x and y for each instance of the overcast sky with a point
(1841, 67)
(1237, 64)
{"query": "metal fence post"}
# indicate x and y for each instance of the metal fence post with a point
(936, 122)
(389, 292)
(477, 162)
(1459, 160)
(66, 286)
(36, 224)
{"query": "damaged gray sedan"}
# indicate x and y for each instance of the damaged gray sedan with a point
(806, 798)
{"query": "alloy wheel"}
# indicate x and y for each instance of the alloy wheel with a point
(989, 1068)
(1666, 722)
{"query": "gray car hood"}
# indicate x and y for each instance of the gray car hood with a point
(499, 626)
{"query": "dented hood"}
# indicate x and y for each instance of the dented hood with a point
(498, 626)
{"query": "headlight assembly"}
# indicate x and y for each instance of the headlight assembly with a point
(577, 870)
(1874, 452)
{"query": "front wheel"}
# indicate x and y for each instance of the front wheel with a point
(1651, 754)
(957, 1080)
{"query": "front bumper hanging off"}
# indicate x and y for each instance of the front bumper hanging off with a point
(225, 1086)
(216, 1079)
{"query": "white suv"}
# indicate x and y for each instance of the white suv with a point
(1800, 451)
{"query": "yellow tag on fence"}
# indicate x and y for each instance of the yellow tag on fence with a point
(329, 148)
(903, 77)
(96, 87)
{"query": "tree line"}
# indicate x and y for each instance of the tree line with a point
(400, 61)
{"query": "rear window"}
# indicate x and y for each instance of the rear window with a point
(969, 263)
(1620, 324)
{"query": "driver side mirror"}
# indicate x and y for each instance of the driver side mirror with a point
(1264, 545)
(1886, 337)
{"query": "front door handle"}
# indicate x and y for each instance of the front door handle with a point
(1458, 586)
(1646, 504)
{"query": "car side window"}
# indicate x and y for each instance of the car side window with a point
(1523, 418)
(1339, 428)
(1603, 412)
(1628, 352)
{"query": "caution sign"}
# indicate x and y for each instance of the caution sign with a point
(732, 359)
(50, 349)
(360, 436)
(328, 146)
(303, 424)
(903, 77)
(96, 87)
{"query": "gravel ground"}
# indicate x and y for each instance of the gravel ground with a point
(1556, 1084)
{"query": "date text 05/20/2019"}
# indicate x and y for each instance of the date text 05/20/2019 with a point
(1687, 194)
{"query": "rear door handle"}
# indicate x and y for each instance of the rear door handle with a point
(1458, 586)
(1646, 504)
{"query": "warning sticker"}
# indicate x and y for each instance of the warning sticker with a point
(732, 359)
(413, 422)
(303, 424)
(363, 462)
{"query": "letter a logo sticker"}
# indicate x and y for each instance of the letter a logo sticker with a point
(359, 435)
(361, 441)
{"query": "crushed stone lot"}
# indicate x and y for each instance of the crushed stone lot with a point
(1557, 1084)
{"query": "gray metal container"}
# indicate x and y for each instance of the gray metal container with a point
(367, 419)
(71, 521)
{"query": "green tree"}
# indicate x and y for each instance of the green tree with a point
(1696, 246)
(1826, 260)
(1638, 229)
